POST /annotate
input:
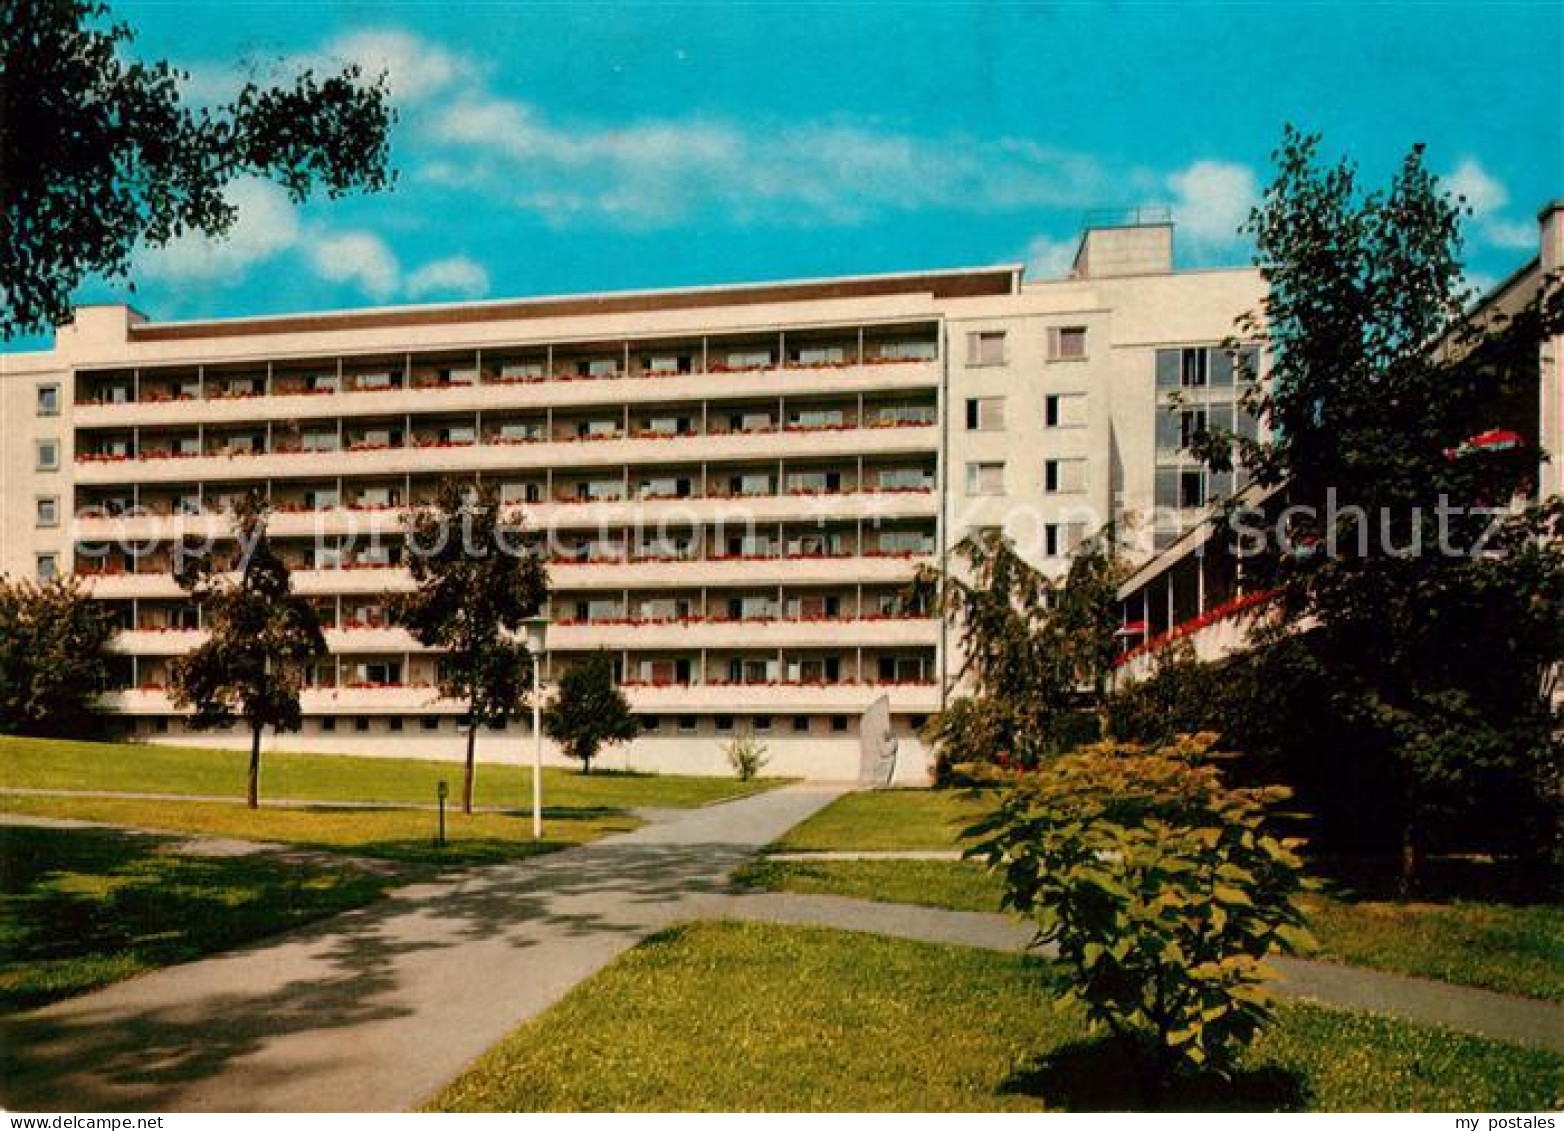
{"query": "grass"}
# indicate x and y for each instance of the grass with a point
(724, 1016)
(403, 835)
(887, 820)
(35, 763)
(949, 884)
(80, 908)
(1497, 946)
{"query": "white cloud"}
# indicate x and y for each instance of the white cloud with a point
(1487, 197)
(415, 67)
(356, 257)
(659, 171)
(267, 225)
(456, 276)
(1211, 199)
(1048, 258)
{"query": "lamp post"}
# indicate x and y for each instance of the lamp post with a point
(537, 628)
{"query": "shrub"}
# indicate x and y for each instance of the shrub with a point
(747, 755)
(1161, 888)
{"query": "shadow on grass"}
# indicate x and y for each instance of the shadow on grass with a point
(1443, 879)
(84, 907)
(1100, 1076)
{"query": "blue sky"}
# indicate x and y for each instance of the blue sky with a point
(550, 148)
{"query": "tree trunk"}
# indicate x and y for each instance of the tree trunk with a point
(254, 796)
(472, 768)
(1411, 854)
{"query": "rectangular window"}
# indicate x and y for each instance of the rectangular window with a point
(1061, 538)
(800, 724)
(687, 724)
(361, 724)
(394, 722)
(1194, 368)
(904, 479)
(724, 724)
(49, 400)
(1064, 410)
(762, 724)
(48, 566)
(839, 724)
(48, 512)
(820, 355)
(650, 724)
(985, 479)
(328, 724)
(46, 455)
(668, 364)
(1191, 489)
(521, 370)
(1191, 423)
(986, 347)
(429, 722)
(908, 351)
(1067, 343)
(1064, 476)
(985, 414)
(749, 359)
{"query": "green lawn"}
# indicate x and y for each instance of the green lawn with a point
(33, 763)
(81, 908)
(1497, 946)
(887, 820)
(723, 1016)
(403, 835)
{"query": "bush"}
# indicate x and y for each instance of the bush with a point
(747, 755)
(1162, 889)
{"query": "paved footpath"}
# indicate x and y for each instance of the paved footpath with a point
(375, 1009)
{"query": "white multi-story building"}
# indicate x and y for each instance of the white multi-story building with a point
(736, 482)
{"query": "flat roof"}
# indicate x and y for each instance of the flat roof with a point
(964, 282)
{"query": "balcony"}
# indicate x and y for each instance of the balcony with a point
(781, 699)
(495, 392)
(401, 458)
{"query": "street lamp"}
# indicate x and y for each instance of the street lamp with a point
(537, 629)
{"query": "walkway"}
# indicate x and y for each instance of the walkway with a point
(375, 1009)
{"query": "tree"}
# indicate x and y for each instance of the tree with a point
(262, 640)
(52, 657)
(1035, 650)
(101, 155)
(589, 712)
(1445, 618)
(477, 583)
(1164, 890)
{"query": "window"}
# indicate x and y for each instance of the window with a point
(985, 479)
(1061, 538)
(429, 722)
(986, 347)
(800, 724)
(839, 724)
(908, 351)
(650, 724)
(724, 724)
(668, 363)
(328, 724)
(394, 722)
(1191, 489)
(687, 724)
(762, 724)
(1067, 343)
(1064, 476)
(48, 567)
(1191, 423)
(49, 400)
(48, 511)
(985, 414)
(749, 359)
(1194, 368)
(47, 455)
(1064, 410)
(820, 355)
(361, 724)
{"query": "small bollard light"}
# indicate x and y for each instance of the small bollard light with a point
(442, 791)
